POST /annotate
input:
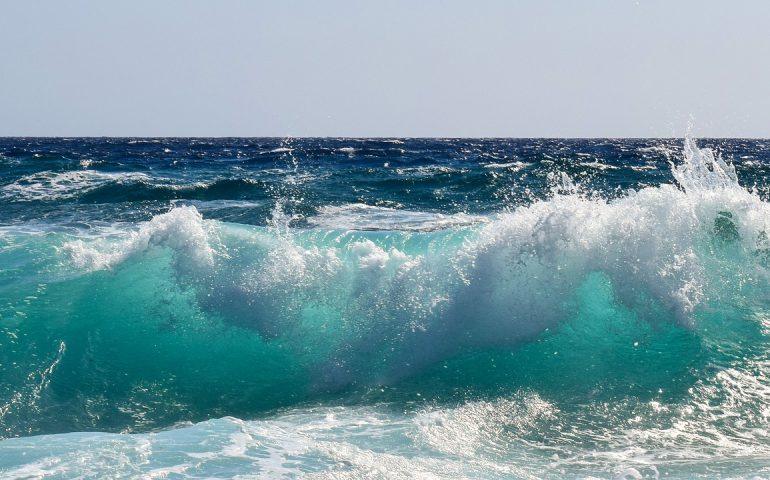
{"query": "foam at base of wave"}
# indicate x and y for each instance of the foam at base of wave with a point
(518, 436)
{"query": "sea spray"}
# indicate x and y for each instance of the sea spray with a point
(572, 332)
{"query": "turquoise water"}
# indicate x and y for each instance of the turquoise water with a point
(177, 308)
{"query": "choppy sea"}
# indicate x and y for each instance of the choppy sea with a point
(384, 308)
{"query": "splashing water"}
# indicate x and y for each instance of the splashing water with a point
(703, 170)
(578, 334)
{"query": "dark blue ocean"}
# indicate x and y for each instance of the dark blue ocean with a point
(384, 308)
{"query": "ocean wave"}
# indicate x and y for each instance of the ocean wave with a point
(666, 151)
(599, 165)
(643, 168)
(513, 166)
(93, 186)
(367, 217)
(64, 185)
(655, 250)
(205, 205)
(281, 150)
(186, 318)
(428, 170)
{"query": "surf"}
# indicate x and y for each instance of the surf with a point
(186, 318)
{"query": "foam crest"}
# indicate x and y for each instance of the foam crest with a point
(182, 229)
(359, 216)
(657, 240)
(64, 185)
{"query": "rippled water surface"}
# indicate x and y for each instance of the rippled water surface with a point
(384, 308)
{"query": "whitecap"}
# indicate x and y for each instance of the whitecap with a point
(64, 185)
(360, 216)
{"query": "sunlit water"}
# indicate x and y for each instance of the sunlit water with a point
(337, 308)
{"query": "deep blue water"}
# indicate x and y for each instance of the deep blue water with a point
(384, 308)
(97, 180)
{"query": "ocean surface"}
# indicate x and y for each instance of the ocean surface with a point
(384, 308)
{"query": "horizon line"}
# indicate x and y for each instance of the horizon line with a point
(377, 137)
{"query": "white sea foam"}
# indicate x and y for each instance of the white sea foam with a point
(428, 170)
(182, 229)
(48, 186)
(598, 165)
(204, 205)
(281, 150)
(513, 166)
(519, 436)
(63, 185)
(359, 216)
(643, 168)
(666, 151)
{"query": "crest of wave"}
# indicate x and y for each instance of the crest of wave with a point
(182, 229)
(665, 253)
(372, 311)
(64, 185)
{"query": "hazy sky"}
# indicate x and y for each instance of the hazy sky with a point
(384, 68)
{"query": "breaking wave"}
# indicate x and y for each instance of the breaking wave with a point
(243, 318)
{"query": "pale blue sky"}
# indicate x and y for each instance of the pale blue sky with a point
(374, 68)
